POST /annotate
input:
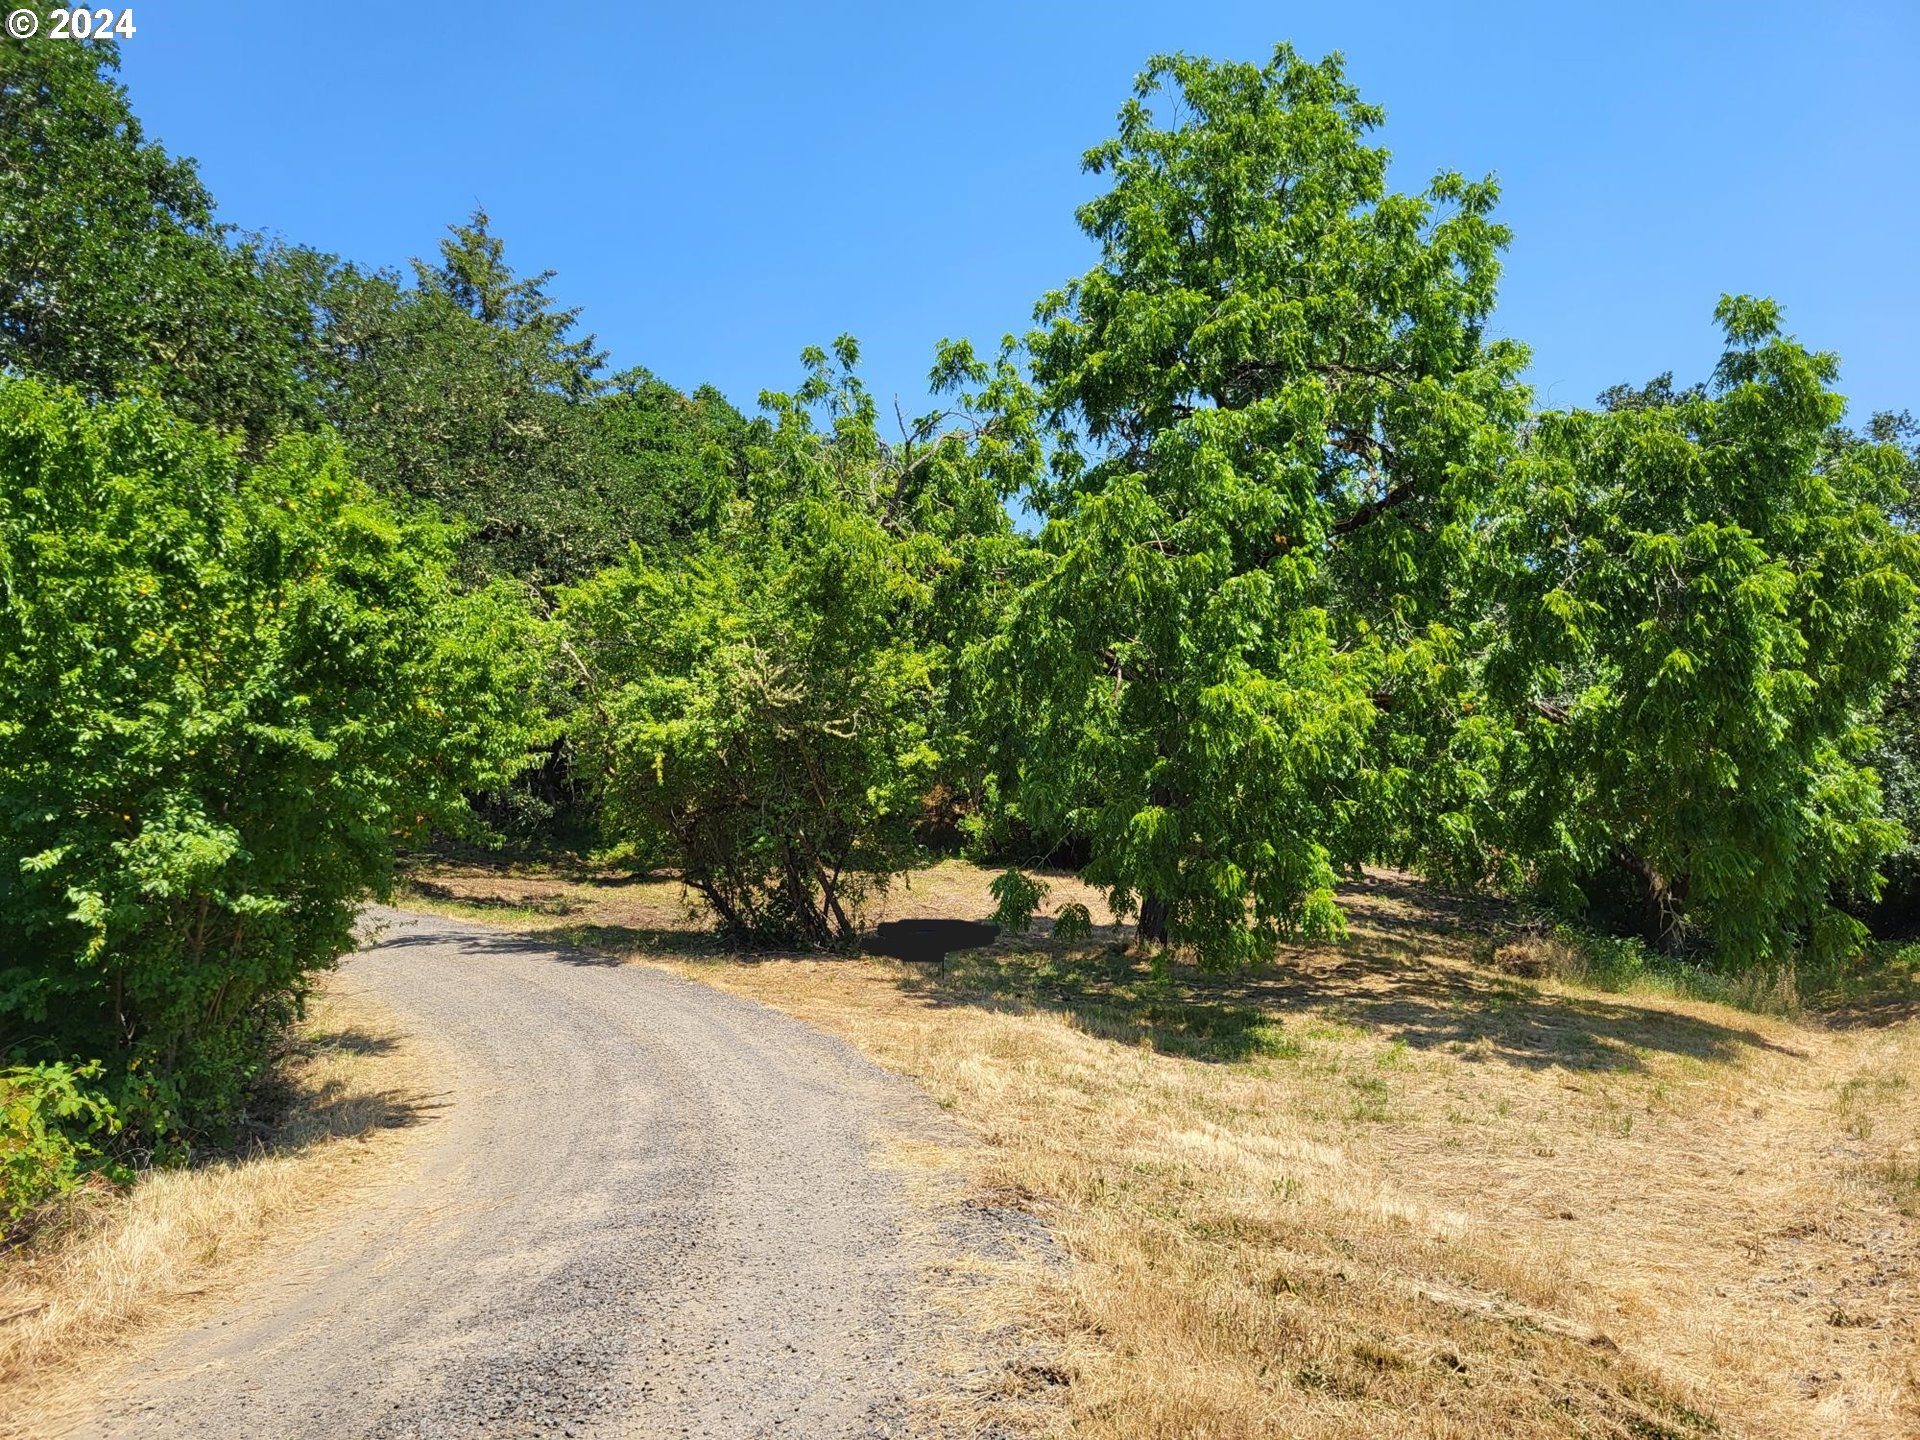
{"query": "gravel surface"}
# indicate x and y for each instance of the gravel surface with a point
(641, 1207)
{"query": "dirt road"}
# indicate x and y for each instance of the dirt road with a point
(641, 1207)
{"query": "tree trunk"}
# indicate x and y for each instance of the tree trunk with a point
(1153, 908)
(1153, 920)
(1661, 901)
(714, 895)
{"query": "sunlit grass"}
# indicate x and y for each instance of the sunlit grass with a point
(110, 1262)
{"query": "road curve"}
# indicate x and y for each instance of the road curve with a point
(642, 1207)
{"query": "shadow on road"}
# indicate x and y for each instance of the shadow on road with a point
(557, 945)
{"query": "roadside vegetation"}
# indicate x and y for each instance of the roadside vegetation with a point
(105, 1262)
(306, 568)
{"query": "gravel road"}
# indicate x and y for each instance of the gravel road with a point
(641, 1207)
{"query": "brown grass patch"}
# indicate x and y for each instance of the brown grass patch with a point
(112, 1270)
(1382, 1189)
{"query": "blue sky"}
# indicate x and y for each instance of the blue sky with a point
(719, 184)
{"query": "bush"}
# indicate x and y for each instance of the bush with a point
(1017, 896)
(769, 711)
(48, 1116)
(226, 692)
(763, 721)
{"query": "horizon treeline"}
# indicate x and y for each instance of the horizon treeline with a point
(303, 563)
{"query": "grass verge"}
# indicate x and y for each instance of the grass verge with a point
(100, 1272)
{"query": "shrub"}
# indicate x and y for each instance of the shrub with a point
(770, 711)
(226, 691)
(764, 721)
(48, 1116)
(1017, 897)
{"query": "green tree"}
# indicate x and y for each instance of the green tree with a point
(469, 388)
(1896, 759)
(463, 390)
(1276, 415)
(226, 691)
(115, 276)
(768, 712)
(1705, 602)
(665, 463)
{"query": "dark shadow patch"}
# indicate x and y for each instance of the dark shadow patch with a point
(286, 1112)
(642, 939)
(926, 941)
(1180, 1010)
(356, 1042)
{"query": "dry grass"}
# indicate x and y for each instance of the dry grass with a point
(98, 1278)
(1381, 1189)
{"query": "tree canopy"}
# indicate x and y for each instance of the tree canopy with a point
(1704, 601)
(470, 389)
(1277, 416)
(115, 275)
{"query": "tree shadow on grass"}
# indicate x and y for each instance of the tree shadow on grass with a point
(332, 1111)
(357, 1042)
(555, 905)
(642, 939)
(1384, 990)
(1879, 991)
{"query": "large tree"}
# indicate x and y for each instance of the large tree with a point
(227, 690)
(1706, 599)
(1897, 757)
(115, 275)
(1277, 413)
(464, 389)
(471, 388)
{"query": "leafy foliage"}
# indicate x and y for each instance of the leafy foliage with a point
(1896, 758)
(469, 389)
(1017, 898)
(49, 1116)
(1073, 924)
(117, 276)
(769, 712)
(225, 691)
(1276, 416)
(1705, 601)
